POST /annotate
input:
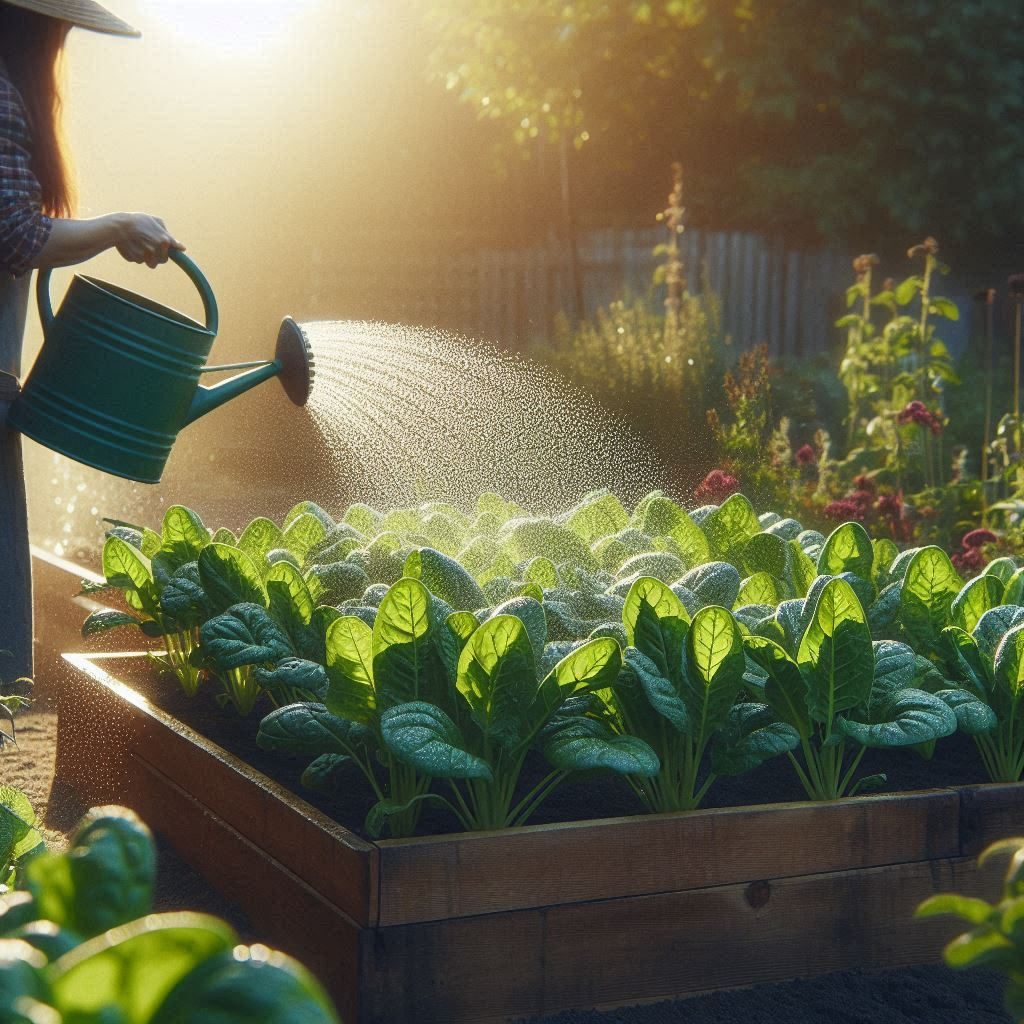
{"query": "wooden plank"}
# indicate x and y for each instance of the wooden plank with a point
(283, 824)
(284, 912)
(988, 813)
(456, 876)
(615, 952)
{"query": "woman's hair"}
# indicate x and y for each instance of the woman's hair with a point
(31, 45)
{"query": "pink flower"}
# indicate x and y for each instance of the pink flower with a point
(805, 455)
(716, 486)
(969, 561)
(917, 412)
(845, 509)
(891, 505)
(977, 539)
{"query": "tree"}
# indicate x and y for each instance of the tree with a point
(854, 120)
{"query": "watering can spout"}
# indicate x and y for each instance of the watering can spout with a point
(292, 362)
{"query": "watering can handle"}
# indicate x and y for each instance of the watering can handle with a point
(195, 275)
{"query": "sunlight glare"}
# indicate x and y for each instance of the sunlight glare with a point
(234, 27)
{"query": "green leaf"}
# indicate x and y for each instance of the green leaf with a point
(229, 577)
(225, 536)
(446, 579)
(713, 583)
(1008, 677)
(766, 553)
(533, 538)
(311, 508)
(260, 537)
(303, 534)
(422, 735)
(292, 592)
(977, 597)
(598, 515)
(895, 668)
(125, 566)
(310, 729)
(886, 552)
(912, 716)
(980, 948)
(714, 668)
(907, 290)
(184, 599)
(247, 984)
(730, 526)
(939, 306)
(848, 549)
(802, 569)
(497, 678)
(785, 689)
(930, 587)
(835, 654)
(244, 635)
(661, 693)
(183, 534)
(350, 690)
(101, 621)
(583, 744)
(656, 624)
(761, 588)
(531, 612)
(19, 833)
(973, 716)
(967, 908)
(542, 571)
(131, 971)
(293, 674)
(751, 735)
(405, 664)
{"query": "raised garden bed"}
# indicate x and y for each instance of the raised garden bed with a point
(496, 926)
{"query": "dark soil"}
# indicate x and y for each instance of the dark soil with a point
(914, 995)
(956, 763)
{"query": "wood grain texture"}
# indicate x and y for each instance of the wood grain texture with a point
(990, 812)
(285, 913)
(282, 824)
(542, 865)
(613, 952)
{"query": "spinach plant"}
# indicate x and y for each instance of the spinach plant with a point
(402, 658)
(141, 563)
(994, 939)
(841, 693)
(80, 943)
(989, 664)
(678, 692)
(494, 711)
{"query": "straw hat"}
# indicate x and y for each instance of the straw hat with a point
(83, 13)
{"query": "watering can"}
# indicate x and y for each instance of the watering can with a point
(118, 375)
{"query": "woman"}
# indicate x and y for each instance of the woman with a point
(37, 229)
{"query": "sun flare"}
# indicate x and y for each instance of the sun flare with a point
(234, 27)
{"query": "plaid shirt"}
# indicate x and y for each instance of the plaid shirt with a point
(24, 228)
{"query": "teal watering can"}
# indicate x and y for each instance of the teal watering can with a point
(118, 375)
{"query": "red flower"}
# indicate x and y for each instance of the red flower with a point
(969, 561)
(917, 412)
(845, 509)
(716, 486)
(978, 538)
(805, 455)
(864, 483)
(891, 505)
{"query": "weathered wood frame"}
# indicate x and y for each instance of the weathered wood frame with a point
(495, 926)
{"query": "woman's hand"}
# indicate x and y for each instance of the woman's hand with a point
(145, 239)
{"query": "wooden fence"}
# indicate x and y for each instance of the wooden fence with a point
(768, 293)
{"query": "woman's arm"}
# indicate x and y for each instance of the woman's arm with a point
(139, 238)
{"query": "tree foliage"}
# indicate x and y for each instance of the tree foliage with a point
(860, 117)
